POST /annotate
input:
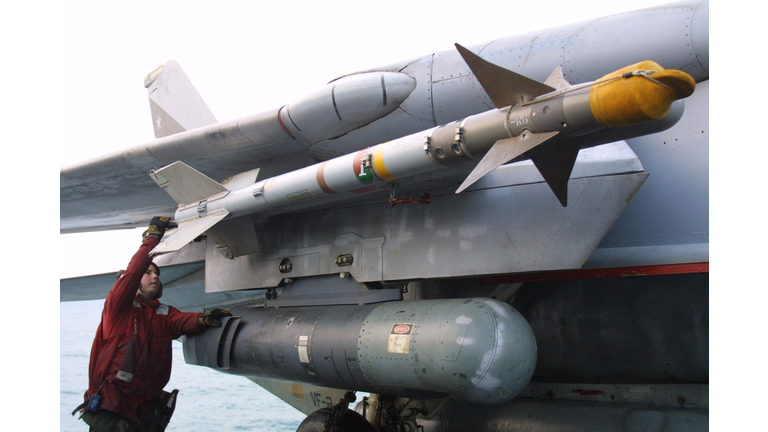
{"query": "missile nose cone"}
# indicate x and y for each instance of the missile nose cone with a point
(637, 94)
(480, 351)
(680, 83)
(506, 369)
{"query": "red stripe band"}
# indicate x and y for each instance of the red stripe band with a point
(654, 270)
(280, 119)
(321, 179)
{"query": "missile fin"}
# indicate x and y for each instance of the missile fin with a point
(556, 164)
(235, 237)
(557, 80)
(241, 180)
(502, 152)
(504, 87)
(185, 184)
(188, 230)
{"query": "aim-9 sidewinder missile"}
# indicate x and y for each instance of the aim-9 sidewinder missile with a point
(546, 122)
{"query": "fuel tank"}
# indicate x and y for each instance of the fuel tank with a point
(480, 351)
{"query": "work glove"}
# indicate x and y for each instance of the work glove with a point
(157, 227)
(212, 318)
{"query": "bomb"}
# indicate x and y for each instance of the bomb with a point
(480, 351)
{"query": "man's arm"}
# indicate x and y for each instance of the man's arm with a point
(120, 298)
(194, 323)
(119, 301)
(184, 323)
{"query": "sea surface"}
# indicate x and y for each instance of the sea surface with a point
(208, 400)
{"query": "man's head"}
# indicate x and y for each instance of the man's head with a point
(150, 286)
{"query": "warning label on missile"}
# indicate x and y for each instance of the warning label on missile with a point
(303, 354)
(301, 196)
(400, 338)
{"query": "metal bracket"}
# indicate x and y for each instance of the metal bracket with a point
(458, 141)
(329, 290)
(425, 198)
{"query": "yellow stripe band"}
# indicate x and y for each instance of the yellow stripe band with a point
(378, 163)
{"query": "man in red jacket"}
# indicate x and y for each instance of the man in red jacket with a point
(131, 354)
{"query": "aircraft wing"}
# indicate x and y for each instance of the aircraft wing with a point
(183, 276)
(97, 286)
(115, 191)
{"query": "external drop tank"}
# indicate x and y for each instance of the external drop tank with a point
(480, 351)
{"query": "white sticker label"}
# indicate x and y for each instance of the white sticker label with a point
(301, 196)
(400, 338)
(125, 376)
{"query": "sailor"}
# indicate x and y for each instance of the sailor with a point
(131, 353)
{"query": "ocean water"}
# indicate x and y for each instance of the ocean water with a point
(208, 400)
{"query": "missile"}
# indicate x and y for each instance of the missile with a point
(546, 122)
(634, 95)
(480, 351)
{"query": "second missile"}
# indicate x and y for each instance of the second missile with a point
(550, 129)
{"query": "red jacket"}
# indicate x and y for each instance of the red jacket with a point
(131, 353)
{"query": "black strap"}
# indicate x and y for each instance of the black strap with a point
(84, 404)
(79, 407)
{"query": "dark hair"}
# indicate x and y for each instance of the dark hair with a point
(156, 267)
(159, 291)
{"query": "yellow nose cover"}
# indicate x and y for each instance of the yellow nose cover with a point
(637, 94)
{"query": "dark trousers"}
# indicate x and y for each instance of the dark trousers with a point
(107, 421)
(157, 414)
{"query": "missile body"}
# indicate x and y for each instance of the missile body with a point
(480, 351)
(566, 120)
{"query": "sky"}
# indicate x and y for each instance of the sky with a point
(243, 58)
